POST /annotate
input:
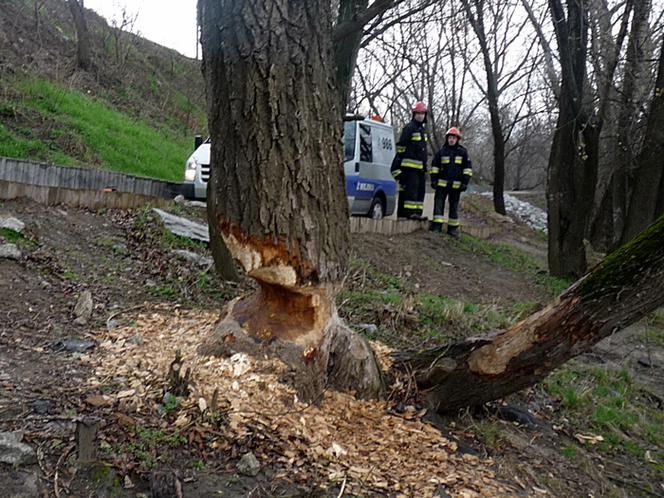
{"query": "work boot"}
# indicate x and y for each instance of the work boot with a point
(436, 227)
(453, 232)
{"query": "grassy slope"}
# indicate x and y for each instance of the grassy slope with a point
(136, 111)
(83, 131)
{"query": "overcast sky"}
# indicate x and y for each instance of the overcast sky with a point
(171, 23)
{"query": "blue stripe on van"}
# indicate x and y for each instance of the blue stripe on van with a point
(363, 188)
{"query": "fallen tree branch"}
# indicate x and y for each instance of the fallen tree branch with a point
(624, 287)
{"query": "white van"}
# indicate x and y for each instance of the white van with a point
(368, 152)
(197, 170)
(369, 148)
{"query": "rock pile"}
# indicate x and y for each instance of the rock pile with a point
(532, 216)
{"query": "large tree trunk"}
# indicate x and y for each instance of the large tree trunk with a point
(647, 198)
(279, 188)
(627, 122)
(627, 285)
(83, 47)
(574, 156)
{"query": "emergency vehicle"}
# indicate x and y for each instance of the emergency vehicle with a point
(369, 148)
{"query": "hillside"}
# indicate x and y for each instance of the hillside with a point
(136, 111)
(594, 428)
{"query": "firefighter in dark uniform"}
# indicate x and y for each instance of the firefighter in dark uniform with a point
(451, 170)
(409, 165)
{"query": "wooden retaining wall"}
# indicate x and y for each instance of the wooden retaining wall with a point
(92, 199)
(393, 227)
(78, 187)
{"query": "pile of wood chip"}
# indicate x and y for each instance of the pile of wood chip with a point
(342, 440)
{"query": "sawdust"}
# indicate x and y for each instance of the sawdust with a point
(342, 439)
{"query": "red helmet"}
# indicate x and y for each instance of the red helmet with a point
(420, 107)
(454, 131)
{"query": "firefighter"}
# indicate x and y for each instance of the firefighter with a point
(409, 165)
(451, 170)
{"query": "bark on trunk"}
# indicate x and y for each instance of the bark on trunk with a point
(223, 259)
(627, 285)
(498, 161)
(574, 156)
(279, 188)
(647, 199)
(628, 119)
(83, 47)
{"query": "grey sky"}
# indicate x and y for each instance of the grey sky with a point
(171, 23)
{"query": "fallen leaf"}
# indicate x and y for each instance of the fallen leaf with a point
(591, 439)
(98, 400)
(126, 394)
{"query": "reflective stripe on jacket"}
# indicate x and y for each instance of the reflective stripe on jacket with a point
(411, 149)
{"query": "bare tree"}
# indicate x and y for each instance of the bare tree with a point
(38, 4)
(421, 59)
(573, 161)
(83, 41)
(495, 42)
(122, 32)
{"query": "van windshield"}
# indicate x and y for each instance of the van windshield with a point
(349, 140)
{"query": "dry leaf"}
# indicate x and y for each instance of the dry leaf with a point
(202, 404)
(592, 439)
(126, 394)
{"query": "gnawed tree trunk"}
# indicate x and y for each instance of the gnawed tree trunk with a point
(623, 288)
(279, 188)
(83, 47)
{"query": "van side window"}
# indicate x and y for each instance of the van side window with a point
(365, 143)
(349, 140)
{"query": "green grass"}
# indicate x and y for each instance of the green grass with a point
(165, 291)
(148, 446)
(18, 147)
(71, 276)
(104, 137)
(513, 259)
(404, 318)
(610, 404)
(14, 237)
(569, 452)
(490, 432)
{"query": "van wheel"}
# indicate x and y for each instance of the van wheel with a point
(377, 210)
